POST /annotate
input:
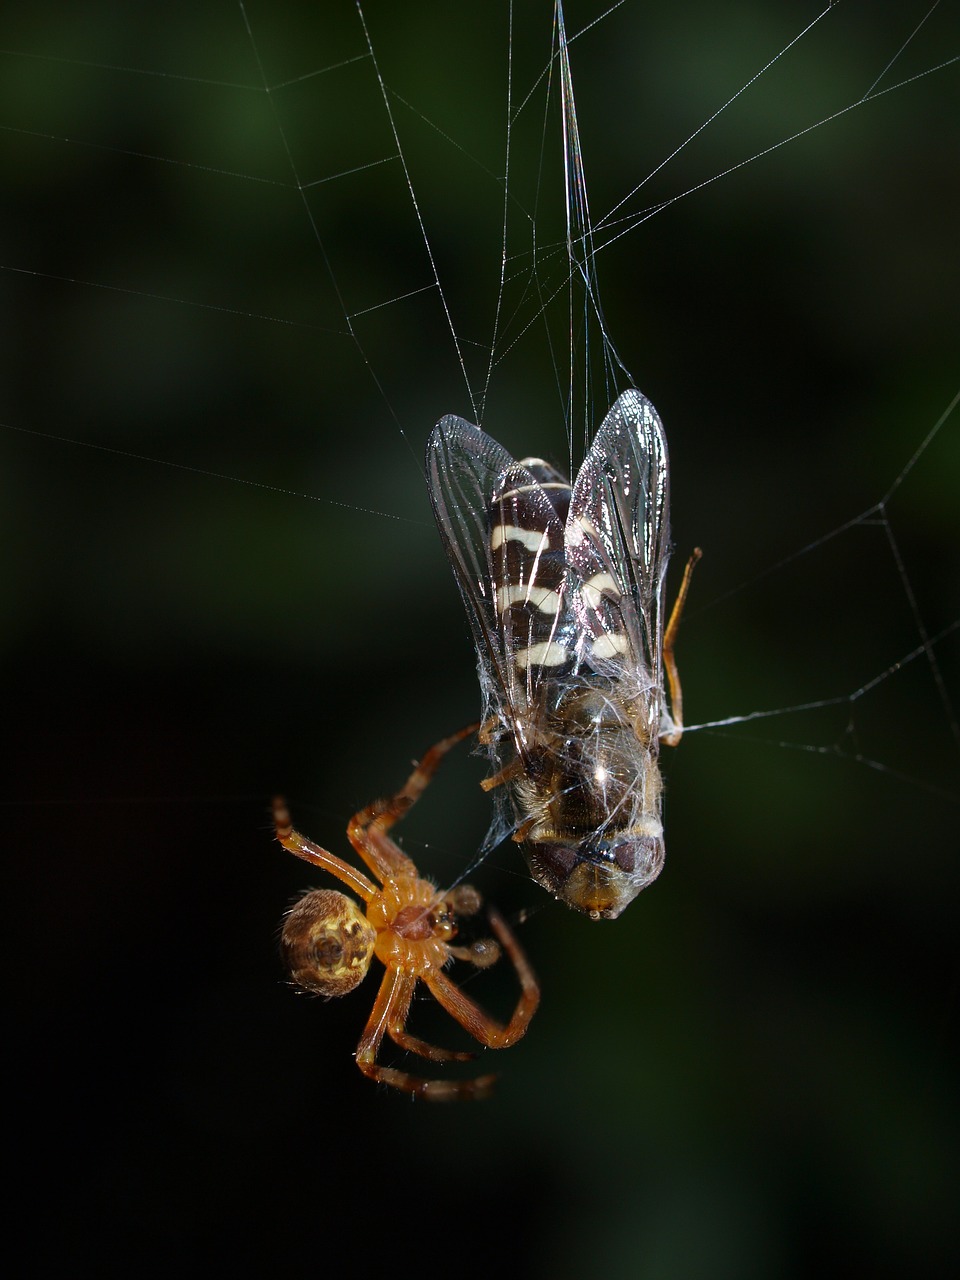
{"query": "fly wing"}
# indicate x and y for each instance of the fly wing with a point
(617, 539)
(505, 541)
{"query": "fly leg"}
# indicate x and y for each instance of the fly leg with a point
(669, 641)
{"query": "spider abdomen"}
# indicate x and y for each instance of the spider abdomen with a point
(327, 943)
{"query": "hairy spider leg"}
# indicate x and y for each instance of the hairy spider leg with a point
(381, 855)
(669, 641)
(392, 1007)
(493, 1034)
(367, 830)
(390, 1010)
(298, 844)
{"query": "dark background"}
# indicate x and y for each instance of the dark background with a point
(752, 1072)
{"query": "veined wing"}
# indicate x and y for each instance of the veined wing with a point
(617, 539)
(501, 523)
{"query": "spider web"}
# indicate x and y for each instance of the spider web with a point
(226, 345)
(269, 246)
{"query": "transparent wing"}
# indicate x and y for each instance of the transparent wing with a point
(513, 590)
(463, 468)
(617, 538)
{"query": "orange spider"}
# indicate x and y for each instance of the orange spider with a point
(409, 925)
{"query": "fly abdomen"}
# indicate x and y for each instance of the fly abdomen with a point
(589, 809)
(529, 566)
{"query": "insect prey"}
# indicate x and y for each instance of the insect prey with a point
(563, 586)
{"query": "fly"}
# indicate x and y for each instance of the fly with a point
(563, 586)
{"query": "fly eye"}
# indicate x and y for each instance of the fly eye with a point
(327, 943)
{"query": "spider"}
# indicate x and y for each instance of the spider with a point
(409, 925)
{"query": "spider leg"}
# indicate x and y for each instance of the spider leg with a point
(367, 830)
(390, 1010)
(481, 954)
(669, 641)
(477, 1021)
(432, 1051)
(303, 848)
